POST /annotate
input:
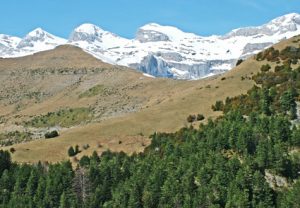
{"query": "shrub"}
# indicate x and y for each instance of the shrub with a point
(12, 150)
(51, 134)
(191, 118)
(270, 54)
(259, 56)
(290, 52)
(218, 106)
(239, 62)
(71, 152)
(200, 117)
(265, 68)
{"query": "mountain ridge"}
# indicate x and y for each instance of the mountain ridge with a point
(162, 51)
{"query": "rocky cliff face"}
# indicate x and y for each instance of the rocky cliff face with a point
(162, 51)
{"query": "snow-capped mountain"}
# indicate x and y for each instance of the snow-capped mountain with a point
(163, 51)
(35, 41)
(96, 41)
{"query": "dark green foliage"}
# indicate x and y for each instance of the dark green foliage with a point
(84, 161)
(265, 68)
(71, 152)
(270, 54)
(37, 186)
(292, 197)
(5, 161)
(200, 117)
(290, 52)
(295, 139)
(51, 134)
(265, 101)
(219, 106)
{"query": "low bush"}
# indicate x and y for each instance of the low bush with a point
(51, 134)
(191, 118)
(200, 117)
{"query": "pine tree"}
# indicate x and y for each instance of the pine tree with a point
(265, 102)
(262, 193)
(5, 161)
(5, 187)
(40, 193)
(32, 183)
(135, 196)
(292, 197)
(63, 202)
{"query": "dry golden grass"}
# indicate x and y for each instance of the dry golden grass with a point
(165, 105)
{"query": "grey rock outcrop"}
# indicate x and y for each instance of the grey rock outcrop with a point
(150, 36)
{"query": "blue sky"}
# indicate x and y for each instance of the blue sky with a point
(123, 17)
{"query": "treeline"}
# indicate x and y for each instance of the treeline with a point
(229, 162)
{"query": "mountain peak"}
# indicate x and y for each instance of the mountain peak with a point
(287, 19)
(39, 39)
(37, 32)
(151, 26)
(154, 32)
(89, 28)
(87, 32)
(161, 28)
(92, 36)
(283, 24)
